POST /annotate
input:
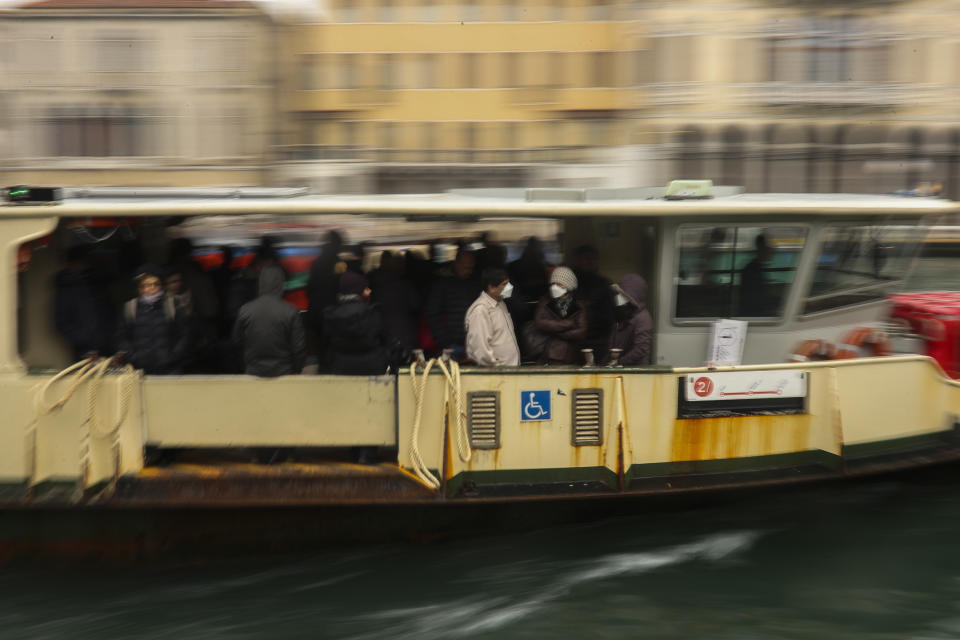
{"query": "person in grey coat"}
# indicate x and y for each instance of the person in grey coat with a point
(270, 330)
(633, 328)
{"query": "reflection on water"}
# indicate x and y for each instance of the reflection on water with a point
(870, 561)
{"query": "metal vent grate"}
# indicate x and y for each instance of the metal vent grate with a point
(483, 419)
(587, 417)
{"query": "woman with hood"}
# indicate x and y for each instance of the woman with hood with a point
(633, 328)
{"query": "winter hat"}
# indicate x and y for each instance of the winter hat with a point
(564, 277)
(148, 270)
(352, 283)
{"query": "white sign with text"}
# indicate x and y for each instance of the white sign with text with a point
(743, 385)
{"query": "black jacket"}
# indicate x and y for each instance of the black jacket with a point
(270, 330)
(154, 339)
(447, 307)
(80, 311)
(354, 337)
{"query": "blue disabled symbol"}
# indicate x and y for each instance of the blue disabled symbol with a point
(534, 405)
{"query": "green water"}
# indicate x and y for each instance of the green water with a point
(877, 560)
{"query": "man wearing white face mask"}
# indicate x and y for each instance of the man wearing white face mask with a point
(491, 341)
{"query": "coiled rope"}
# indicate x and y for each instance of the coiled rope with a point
(453, 384)
(83, 369)
(419, 468)
(126, 391)
(452, 389)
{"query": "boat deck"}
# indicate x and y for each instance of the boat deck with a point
(283, 483)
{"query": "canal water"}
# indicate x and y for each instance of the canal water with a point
(878, 560)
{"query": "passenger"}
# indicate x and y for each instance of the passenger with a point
(451, 296)
(399, 302)
(529, 272)
(562, 319)
(322, 286)
(270, 331)
(221, 277)
(633, 328)
(594, 291)
(490, 254)
(152, 337)
(491, 341)
(174, 287)
(197, 283)
(80, 309)
(756, 299)
(353, 330)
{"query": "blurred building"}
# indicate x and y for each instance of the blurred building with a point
(425, 95)
(137, 92)
(806, 96)
(422, 95)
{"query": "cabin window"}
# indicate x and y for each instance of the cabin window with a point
(728, 271)
(859, 264)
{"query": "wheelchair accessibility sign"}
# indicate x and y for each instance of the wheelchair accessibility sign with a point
(534, 405)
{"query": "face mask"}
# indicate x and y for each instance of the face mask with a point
(557, 291)
(507, 291)
(622, 300)
(150, 299)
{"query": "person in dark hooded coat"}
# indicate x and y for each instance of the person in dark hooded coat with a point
(270, 330)
(633, 328)
(353, 330)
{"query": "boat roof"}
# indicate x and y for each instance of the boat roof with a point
(467, 203)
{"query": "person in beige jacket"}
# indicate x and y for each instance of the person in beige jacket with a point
(491, 341)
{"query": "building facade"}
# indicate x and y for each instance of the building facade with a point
(133, 92)
(806, 96)
(424, 95)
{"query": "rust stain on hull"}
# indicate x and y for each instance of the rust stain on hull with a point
(738, 437)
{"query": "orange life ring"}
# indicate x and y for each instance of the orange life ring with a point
(814, 350)
(864, 341)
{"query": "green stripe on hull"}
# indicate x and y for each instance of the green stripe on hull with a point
(782, 462)
(535, 480)
(934, 440)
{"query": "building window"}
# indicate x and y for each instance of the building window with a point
(469, 76)
(348, 78)
(673, 58)
(95, 132)
(828, 49)
(511, 70)
(604, 70)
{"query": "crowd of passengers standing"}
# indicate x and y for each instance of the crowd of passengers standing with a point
(479, 308)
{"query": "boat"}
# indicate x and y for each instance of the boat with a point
(733, 400)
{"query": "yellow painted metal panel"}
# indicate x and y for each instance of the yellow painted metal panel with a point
(201, 411)
(18, 415)
(879, 401)
(72, 444)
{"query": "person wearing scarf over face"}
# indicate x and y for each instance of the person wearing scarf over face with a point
(561, 318)
(633, 328)
(152, 336)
